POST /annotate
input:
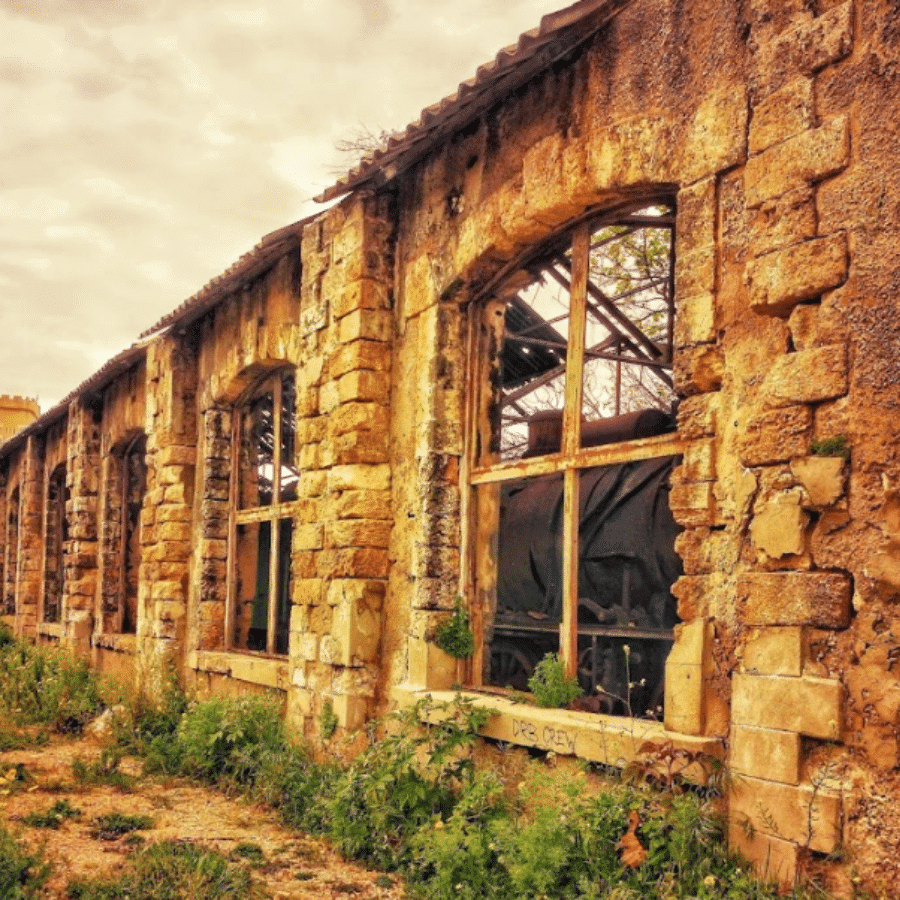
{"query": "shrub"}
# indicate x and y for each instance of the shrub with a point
(550, 684)
(48, 687)
(223, 741)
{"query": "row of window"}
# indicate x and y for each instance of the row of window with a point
(573, 350)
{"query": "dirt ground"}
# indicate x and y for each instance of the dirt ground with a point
(294, 867)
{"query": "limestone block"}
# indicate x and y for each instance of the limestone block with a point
(370, 324)
(360, 478)
(810, 706)
(361, 293)
(364, 385)
(359, 533)
(364, 504)
(700, 550)
(805, 159)
(361, 354)
(356, 633)
(817, 43)
(695, 228)
(783, 114)
(419, 288)
(776, 436)
(795, 813)
(544, 189)
(807, 376)
(697, 415)
(353, 562)
(351, 712)
(783, 221)
(822, 478)
(308, 537)
(821, 599)
(698, 370)
(694, 503)
(698, 462)
(627, 153)
(779, 528)
(784, 278)
(695, 320)
(695, 272)
(428, 666)
(716, 137)
(684, 698)
(773, 859)
(774, 651)
(351, 590)
(764, 753)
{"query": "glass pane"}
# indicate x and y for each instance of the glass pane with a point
(525, 624)
(257, 452)
(626, 566)
(283, 598)
(533, 363)
(628, 333)
(289, 473)
(251, 612)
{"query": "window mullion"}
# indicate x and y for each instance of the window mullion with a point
(271, 611)
(571, 441)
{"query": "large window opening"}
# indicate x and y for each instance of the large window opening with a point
(572, 367)
(56, 534)
(125, 487)
(264, 489)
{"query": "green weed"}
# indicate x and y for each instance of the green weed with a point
(47, 687)
(551, 687)
(454, 636)
(104, 770)
(113, 825)
(172, 870)
(53, 817)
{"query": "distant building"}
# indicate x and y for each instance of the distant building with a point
(16, 413)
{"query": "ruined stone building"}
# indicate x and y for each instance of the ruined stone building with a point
(604, 344)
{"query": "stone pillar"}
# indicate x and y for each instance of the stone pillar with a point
(167, 516)
(340, 552)
(31, 531)
(81, 551)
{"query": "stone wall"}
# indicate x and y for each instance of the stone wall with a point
(763, 123)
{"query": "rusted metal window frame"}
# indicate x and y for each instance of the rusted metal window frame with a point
(478, 571)
(254, 515)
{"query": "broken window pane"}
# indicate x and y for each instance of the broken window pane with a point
(257, 452)
(288, 472)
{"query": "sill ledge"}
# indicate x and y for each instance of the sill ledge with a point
(261, 670)
(608, 740)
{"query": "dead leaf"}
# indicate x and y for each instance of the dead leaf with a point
(632, 851)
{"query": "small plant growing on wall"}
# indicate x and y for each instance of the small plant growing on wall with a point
(328, 720)
(833, 446)
(454, 636)
(551, 687)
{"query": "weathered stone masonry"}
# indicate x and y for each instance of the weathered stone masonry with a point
(763, 125)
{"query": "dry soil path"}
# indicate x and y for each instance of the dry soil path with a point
(293, 867)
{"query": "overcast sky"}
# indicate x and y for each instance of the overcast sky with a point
(146, 144)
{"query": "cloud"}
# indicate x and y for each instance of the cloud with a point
(147, 144)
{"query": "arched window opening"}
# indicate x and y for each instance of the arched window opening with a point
(262, 518)
(573, 353)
